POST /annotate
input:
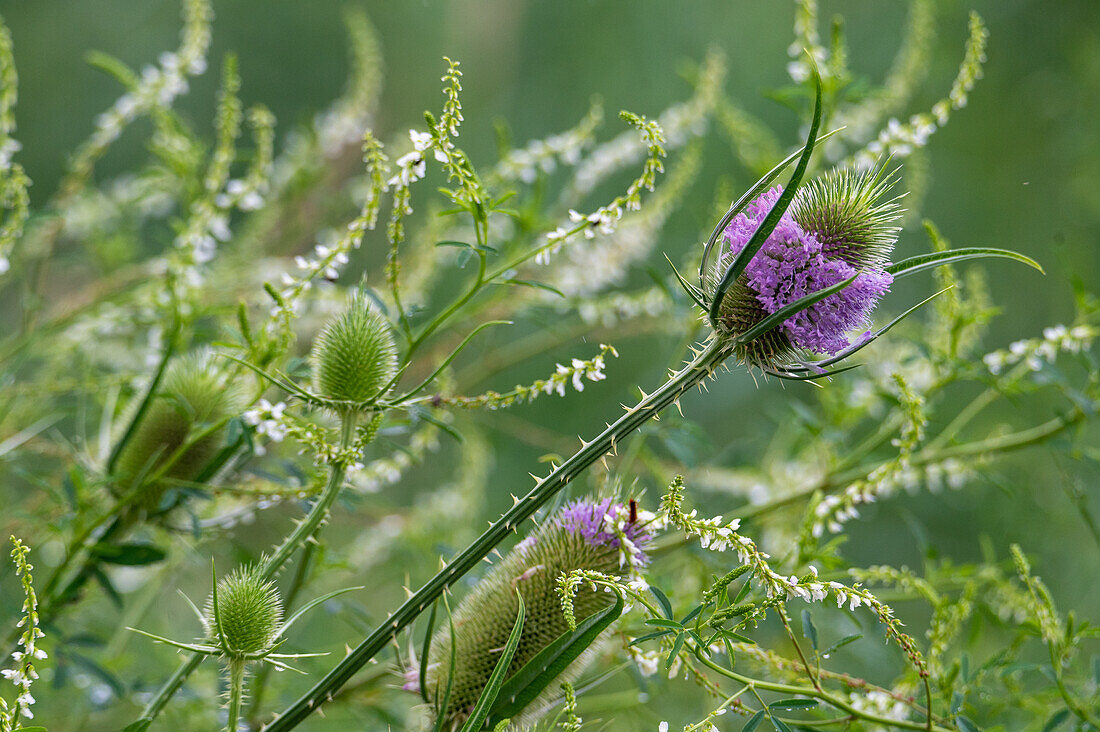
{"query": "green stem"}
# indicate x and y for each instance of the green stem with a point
(271, 566)
(1002, 443)
(813, 693)
(236, 694)
(688, 377)
(259, 683)
(1071, 703)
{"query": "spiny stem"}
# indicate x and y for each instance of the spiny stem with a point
(682, 381)
(236, 694)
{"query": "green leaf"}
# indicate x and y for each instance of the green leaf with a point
(532, 283)
(676, 646)
(466, 245)
(650, 636)
(808, 629)
(779, 724)
(546, 665)
(793, 705)
(906, 267)
(1056, 720)
(741, 261)
(131, 555)
(841, 643)
(744, 591)
(441, 707)
(693, 614)
(753, 722)
(662, 598)
(424, 653)
(492, 686)
(664, 623)
(965, 724)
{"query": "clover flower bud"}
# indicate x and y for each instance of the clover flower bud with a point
(193, 395)
(585, 534)
(354, 357)
(249, 611)
(837, 227)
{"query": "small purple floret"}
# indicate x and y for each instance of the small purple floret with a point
(604, 523)
(792, 264)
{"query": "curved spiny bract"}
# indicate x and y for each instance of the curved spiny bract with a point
(194, 395)
(354, 357)
(484, 619)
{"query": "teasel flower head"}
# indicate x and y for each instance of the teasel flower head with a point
(596, 535)
(193, 397)
(837, 227)
(244, 613)
(354, 358)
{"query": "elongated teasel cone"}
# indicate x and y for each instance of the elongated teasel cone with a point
(249, 611)
(585, 534)
(193, 396)
(354, 357)
(839, 226)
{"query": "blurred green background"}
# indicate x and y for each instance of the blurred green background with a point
(1018, 168)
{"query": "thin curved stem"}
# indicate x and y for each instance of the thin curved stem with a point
(814, 693)
(651, 405)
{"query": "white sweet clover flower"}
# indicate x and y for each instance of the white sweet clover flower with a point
(605, 219)
(897, 139)
(527, 162)
(574, 374)
(880, 704)
(1039, 351)
(24, 674)
(268, 420)
(834, 510)
(158, 86)
(376, 474)
(648, 662)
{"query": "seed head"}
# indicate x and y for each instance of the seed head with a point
(194, 394)
(584, 535)
(354, 356)
(249, 611)
(837, 227)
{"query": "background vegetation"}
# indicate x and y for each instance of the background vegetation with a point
(1017, 168)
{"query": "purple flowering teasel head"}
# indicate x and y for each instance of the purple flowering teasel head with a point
(837, 227)
(601, 535)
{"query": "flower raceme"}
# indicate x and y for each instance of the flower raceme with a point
(603, 536)
(839, 226)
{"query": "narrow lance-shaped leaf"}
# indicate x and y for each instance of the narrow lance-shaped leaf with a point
(424, 653)
(441, 706)
(739, 206)
(546, 665)
(492, 686)
(922, 262)
(772, 219)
